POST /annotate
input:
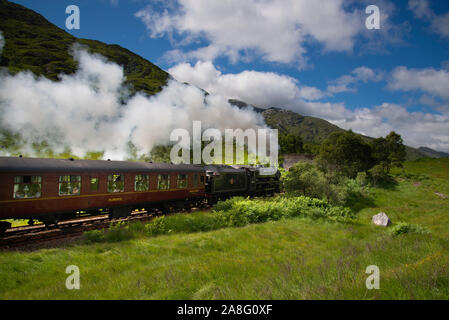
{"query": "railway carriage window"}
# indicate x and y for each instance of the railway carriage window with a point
(26, 187)
(116, 183)
(163, 182)
(69, 185)
(202, 179)
(142, 183)
(93, 184)
(182, 181)
(195, 180)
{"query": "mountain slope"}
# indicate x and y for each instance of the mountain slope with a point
(311, 129)
(432, 153)
(33, 43)
(315, 130)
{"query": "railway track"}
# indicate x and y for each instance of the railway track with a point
(23, 236)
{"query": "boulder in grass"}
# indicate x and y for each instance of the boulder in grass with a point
(381, 219)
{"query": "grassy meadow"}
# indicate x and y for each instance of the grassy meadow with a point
(290, 257)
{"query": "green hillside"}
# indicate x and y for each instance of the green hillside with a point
(33, 43)
(311, 129)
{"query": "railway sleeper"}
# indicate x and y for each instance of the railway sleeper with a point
(4, 225)
(120, 212)
(50, 220)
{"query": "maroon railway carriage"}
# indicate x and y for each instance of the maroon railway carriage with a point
(55, 189)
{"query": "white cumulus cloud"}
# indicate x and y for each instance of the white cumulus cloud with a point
(360, 74)
(277, 30)
(429, 80)
(416, 128)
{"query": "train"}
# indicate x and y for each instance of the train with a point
(53, 190)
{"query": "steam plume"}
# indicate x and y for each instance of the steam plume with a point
(85, 110)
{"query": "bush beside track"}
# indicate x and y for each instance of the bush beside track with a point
(234, 212)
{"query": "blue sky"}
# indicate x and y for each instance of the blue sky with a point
(314, 58)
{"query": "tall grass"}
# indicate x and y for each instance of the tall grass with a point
(235, 212)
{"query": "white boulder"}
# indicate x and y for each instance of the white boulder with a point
(381, 219)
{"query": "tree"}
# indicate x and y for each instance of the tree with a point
(94, 155)
(377, 174)
(389, 152)
(132, 151)
(306, 179)
(312, 148)
(396, 150)
(290, 143)
(345, 152)
(160, 153)
(380, 152)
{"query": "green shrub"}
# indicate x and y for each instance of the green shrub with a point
(118, 232)
(136, 228)
(239, 212)
(404, 227)
(336, 194)
(412, 176)
(94, 236)
(378, 174)
(225, 205)
(197, 222)
(157, 226)
(245, 211)
(305, 179)
(362, 179)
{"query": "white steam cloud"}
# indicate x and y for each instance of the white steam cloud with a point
(85, 111)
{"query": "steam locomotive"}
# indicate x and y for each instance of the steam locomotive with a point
(52, 190)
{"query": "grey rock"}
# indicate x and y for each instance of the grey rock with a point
(441, 195)
(381, 219)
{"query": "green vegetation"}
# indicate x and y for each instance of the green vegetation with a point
(388, 152)
(347, 154)
(305, 179)
(290, 143)
(345, 167)
(235, 212)
(404, 227)
(160, 153)
(310, 129)
(290, 258)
